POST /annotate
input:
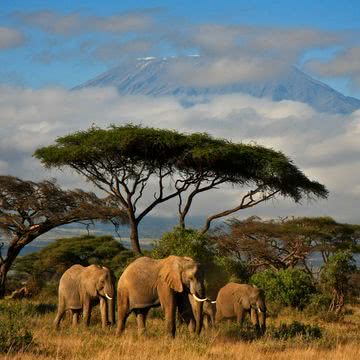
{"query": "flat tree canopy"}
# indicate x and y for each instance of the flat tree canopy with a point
(123, 160)
(29, 209)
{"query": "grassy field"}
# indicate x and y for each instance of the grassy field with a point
(340, 339)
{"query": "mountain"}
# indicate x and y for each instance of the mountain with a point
(150, 76)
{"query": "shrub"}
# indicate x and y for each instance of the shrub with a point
(14, 333)
(318, 304)
(335, 277)
(184, 242)
(296, 328)
(289, 287)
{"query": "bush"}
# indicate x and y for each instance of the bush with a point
(184, 242)
(296, 328)
(318, 304)
(289, 287)
(14, 333)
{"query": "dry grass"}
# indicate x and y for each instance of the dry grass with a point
(341, 340)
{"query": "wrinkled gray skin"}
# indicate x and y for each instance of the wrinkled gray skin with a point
(234, 300)
(148, 283)
(80, 287)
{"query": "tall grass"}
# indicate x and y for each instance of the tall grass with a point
(340, 340)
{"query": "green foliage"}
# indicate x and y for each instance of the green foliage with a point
(296, 328)
(131, 146)
(14, 332)
(335, 274)
(184, 242)
(318, 304)
(290, 287)
(51, 261)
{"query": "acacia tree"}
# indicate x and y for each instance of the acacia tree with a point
(128, 161)
(336, 275)
(286, 243)
(29, 209)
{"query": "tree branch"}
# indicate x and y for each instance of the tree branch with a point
(243, 205)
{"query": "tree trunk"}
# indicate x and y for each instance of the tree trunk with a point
(134, 237)
(12, 252)
(3, 272)
(182, 221)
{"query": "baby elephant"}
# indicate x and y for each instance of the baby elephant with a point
(234, 300)
(80, 287)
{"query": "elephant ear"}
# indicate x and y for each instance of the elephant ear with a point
(171, 273)
(90, 279)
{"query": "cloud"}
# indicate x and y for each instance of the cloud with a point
(76, 23)
(230, 53)
(10, 38)
(345, 63)
(235, 53)
(33, 118)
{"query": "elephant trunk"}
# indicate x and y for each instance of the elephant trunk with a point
(261, 308)
(110, 300)
(111, 311)
(198, 316)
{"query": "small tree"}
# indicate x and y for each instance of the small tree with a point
(29, 209)
(289, 287)
(126, 161)
(286, 243)
(335, 275)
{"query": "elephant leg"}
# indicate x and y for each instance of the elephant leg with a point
(141, 320)
(240, 316)
(60, 313)
(206, 322)
(255, 319)
(103, 312)
(87, 311)
(75, 317)
(122, 313)
(191, 326)
(169, 306)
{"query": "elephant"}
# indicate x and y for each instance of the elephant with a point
(209, 310)
(187, 307)
(80, 288)
(233, 300)
(148, 283)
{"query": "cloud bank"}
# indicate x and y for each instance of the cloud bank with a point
(324, 146)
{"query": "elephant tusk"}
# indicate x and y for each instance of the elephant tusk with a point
(108, 297)
(198, 299)
(259, 310)
(213, 302)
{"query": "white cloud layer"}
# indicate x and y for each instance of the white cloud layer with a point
(324, 146)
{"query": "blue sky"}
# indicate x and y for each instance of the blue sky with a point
(48, 47)
(45, 58)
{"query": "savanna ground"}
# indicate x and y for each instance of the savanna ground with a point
(340, 337)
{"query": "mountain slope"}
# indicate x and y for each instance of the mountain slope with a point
(150, 76)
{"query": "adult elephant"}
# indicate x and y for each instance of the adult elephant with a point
(234, 300)
(148, 283)
(80, 287)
